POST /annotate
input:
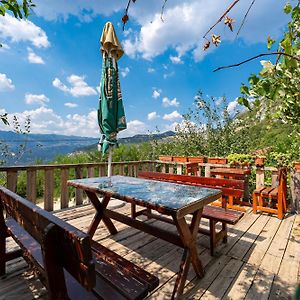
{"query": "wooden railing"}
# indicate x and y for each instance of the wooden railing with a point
(55, 177)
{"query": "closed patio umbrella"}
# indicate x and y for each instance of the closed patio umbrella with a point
(111, 115)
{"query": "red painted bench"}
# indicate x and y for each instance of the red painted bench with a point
(68, 262)
(229, 188)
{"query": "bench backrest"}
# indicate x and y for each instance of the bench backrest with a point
(229, 187)
(72, 245)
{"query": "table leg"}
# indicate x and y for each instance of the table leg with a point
(188, 235)
(100, 207)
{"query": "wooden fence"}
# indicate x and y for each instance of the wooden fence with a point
(64, 172)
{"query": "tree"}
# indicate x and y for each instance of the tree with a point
(210, 129)
(275, 91)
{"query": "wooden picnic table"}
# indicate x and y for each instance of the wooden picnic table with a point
(235, 173)
(170, 199)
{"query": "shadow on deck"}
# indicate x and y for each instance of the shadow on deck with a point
(260, 260)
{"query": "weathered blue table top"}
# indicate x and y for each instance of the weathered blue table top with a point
(166, 194)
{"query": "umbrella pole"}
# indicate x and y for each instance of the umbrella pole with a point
(109, 161)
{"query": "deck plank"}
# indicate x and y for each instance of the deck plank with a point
(260, 261)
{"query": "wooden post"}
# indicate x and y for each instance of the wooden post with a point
(31, 185)
(274, 178)
(179, 169)
(171, 168)
(260, 177)
(64, 192)
(207, 171)
(49, 187)
(11, 180)
(136, 168)
(91, 172)
(78, 192)
(295, 189)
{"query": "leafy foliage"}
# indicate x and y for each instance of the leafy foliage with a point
(209, 129)
(276, 89)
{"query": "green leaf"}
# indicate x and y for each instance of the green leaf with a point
(25, 8)
(243, 101)
(2, 11)
(253, 79)
(244, 89)
(270, 43)
(287, 8)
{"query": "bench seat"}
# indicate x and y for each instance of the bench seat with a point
(230, 188)
(106, 274)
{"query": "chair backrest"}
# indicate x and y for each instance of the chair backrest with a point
(282, 182)
(73, 245)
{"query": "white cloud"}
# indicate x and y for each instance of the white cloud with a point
(6, 83)
(124, 72)
(46, 120)
(151, 70)
(167, 75)
(36, 99)
(231, 108)
(167, 102)
(84, 10)
(172, 116)
(70, 104)
(196, 16)
(34, 58)
(23, 30)
(171, 127)
(152, 116)
(176, 60)
(134, 127)
(156, 93)
(78, 87)
(4, 47)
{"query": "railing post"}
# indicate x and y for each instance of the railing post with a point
(260, 177)
(78, 192)
(207, 171)
(11, 180)
(64, 192)
(49, 187)
(31, 185)
(91, 172)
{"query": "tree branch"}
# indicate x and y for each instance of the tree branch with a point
(245, 17)
(163, 10)
(221, 18)
(257, 56)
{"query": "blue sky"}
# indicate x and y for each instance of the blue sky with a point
(50, 65)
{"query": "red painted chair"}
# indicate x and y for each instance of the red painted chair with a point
(272, 199)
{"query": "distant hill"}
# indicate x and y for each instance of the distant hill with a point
(136, 139)
(44, 147)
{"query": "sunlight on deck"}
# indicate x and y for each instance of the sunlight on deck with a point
(260, 260)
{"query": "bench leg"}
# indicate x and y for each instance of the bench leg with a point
(212, 237)
(133, 210)
(224, 229)
(56, 284)
(254, 203)
(2, 243)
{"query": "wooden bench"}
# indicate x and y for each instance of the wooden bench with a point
(68, 262)
(229, 188)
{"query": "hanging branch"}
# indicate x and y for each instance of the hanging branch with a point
(257, 56)
(245, 17)
(163, 10)
(221, 18)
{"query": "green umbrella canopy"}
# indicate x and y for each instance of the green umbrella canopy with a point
(111, 114)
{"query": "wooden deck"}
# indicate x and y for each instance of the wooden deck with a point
(260, 260)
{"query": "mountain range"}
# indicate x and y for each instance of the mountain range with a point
(30, 148)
